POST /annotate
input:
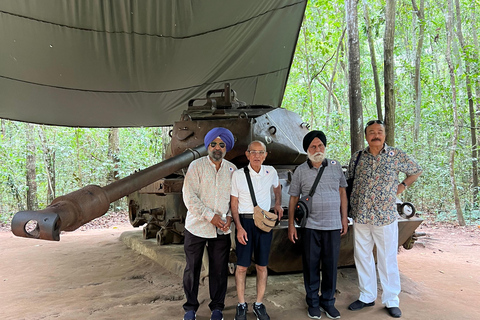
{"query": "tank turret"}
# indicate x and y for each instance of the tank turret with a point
(160, 206)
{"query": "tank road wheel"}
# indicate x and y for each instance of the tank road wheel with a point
(133, 216)
(406, 210)
(160, 238)
(408, 244)
(150, 231)
(164, 236)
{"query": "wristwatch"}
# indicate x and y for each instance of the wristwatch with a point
(404, 184)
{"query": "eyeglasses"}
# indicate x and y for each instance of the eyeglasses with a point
(369, 123)
(213, 144)
(256, 153)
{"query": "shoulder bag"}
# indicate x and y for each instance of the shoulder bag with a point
(349, 188)
(264, 220)
(304, 204)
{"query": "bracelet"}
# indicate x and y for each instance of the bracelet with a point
(404, 184)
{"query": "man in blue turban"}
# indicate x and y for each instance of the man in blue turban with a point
(224, 134)
(206, 194)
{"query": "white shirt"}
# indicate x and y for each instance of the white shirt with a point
(262, 184)
(206, 193)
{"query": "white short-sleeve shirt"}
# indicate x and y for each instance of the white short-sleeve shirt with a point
(262, 182)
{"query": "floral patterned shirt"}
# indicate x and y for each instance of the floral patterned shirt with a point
(376, 183)
(206, 192)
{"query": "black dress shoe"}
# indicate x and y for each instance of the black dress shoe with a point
(394, 312)
(357, 305)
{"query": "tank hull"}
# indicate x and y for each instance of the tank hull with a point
(286, 256)
(165, 213)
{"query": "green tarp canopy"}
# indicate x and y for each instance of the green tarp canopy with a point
(127, 63)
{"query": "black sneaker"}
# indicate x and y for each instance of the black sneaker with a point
(261, 312)
(217, 315)
(189, 315)
(330, 311)
(241, 313)
(314, 313)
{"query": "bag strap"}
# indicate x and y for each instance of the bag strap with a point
(250, 186)
(356, 162)
(317, 179)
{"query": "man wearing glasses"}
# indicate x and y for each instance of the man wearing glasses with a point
(206, 194)
(375, 188)
(249, 238)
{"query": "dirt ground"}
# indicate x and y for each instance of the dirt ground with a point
(91, 274)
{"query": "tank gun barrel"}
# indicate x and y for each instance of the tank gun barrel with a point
(69, 212)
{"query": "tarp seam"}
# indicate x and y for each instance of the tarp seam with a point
(154, 35)
(144, 91)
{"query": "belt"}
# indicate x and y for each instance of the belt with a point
(246, 215)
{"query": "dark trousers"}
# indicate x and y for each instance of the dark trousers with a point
(320, 246)
(218, 250)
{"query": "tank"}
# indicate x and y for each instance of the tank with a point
(155, 194)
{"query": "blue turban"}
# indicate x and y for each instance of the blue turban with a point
(223, 133)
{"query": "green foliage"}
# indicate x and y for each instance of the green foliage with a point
(80, 159)
(433, 191)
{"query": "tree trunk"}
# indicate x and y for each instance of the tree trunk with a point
(15, 192)
(3, 127)
(471, 109)
(448, 57)
(330, 84)
(344, 51)
(354, 85)
(49, 160)
(31, 165)
(309, 81)
(418, 88)
(79, 175)
(476, 80)
(373, 59)
(113, 151)
(165, 135)
(331, 93)
(389, 81)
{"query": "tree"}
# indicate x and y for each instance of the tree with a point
(354, 85)
(31, 175)
(389, 82)
(3, 127)
(373, 58)
(448, 57)
(332, 77)
(471, 109)
(49, 161)
(418, 55)
(113, 151)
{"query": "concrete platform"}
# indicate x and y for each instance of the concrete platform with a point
(170, 257)
(285, 257)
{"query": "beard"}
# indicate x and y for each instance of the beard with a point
(316, 157)
(216, 155)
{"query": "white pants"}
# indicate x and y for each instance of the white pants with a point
(386, 240)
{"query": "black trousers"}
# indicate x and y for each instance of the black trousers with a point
(218, 253)
(320, 246)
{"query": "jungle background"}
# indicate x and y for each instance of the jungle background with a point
(432, 114)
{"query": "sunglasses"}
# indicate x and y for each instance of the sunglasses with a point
(369, 123)
(256, 153)
(213, 144)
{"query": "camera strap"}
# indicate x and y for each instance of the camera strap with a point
(317, 179)
(250, 186)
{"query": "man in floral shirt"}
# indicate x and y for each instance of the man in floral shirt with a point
(206, 194)
(374, 211)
